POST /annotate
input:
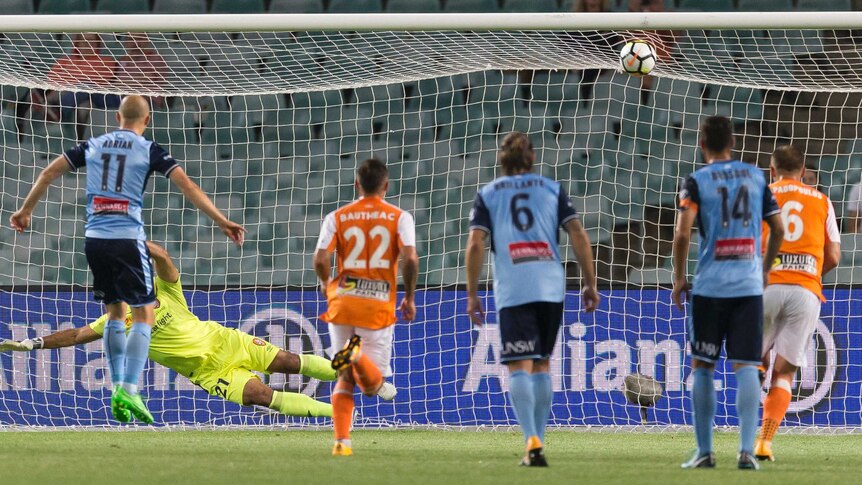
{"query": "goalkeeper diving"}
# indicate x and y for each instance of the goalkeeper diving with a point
(218, 359)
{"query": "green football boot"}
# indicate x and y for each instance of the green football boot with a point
(134, 404)
(119, 411)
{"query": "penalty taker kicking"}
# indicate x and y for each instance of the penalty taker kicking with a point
(218, 359)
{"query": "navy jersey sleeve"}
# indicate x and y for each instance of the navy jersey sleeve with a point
(770, 205)
(161, 161)
(480, 217)
(77, 156)
(689, 195)
(565, 210)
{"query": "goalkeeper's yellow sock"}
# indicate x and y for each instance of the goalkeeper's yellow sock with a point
(311, 365)
(293, 404)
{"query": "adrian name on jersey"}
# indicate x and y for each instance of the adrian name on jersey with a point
(364, 288)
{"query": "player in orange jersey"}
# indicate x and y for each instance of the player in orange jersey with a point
(791, 301)
(368, 237)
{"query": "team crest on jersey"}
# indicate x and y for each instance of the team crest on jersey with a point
(734, 249)
(363, 288)
(258, 342)
(526, 252)
(805, 263)
(104, 206)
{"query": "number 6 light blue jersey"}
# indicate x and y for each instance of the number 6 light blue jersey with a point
(118, 165)
(731, 199)
(523, 215)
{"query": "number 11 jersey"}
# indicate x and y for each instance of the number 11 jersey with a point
(118, 165)
(522, 215)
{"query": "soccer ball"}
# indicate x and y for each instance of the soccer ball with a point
(641, 390)
(637, 57)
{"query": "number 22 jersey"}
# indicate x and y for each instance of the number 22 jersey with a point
(118, 165)
(523, 215)
(731, 199)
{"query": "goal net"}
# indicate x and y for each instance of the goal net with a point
(272, 123)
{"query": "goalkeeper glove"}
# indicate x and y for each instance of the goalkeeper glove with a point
(23, 346)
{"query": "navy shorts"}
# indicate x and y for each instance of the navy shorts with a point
(122, 271)
(529, 331)
(738, 322)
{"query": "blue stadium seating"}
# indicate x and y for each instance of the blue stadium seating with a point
(16, 7)
(766, 5)
(825, 5)
(530, 6)
(123, 6)
(707, 5)
(180, 6)
(296, 6)
(471, 6)
(413, 6)
(64, 6)
(237, 6)
(355, 6)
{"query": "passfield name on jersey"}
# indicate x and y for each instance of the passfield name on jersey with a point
(809, 191)
(525, 252)
(805, 263)
(730, 174)
(364, 288)
(107, 206)
(734, 249)
(366, 216)
(118, 143)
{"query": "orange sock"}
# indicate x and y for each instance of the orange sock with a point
(774, 408)
(342, 410)
(367, 375)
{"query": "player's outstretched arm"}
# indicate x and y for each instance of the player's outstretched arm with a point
(773, 243)
(200, 200)
(323, 267)
(410, 273)
(831, 256)
(165, 268)
(584, 254)
(474, 258)
(681, 242)
(20, 220)
(56, 340)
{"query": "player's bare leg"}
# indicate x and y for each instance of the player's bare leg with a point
(256, 393)
(523, 401)
(309, 365)
(775, 405)
(365, 371)
(137, 348)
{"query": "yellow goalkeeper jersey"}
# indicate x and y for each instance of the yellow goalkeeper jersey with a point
(180, 340)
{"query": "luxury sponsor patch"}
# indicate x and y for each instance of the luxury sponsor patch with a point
(363, 288)
(805, 263)
(524, 252)
(108, 206)
(738, 248)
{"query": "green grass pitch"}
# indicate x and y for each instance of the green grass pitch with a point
(404, 457)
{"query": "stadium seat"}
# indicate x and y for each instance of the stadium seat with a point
(355, 6)
(180, 6)
(64, 6)
(237, 6)
(825, 5)
(471, 6)
(123, 6)
(530, 6)
(16, 7)
(413, 6)
(296, 6)
(707, 5)
(765, 5)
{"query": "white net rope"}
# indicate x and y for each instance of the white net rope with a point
(272, 126)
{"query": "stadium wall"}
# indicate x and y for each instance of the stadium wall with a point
(446, 370)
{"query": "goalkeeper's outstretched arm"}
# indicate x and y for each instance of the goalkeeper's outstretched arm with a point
(64, 338)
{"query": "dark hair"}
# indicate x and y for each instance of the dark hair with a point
(372, 174)
(788, 159)
(716, 132)
(516, 153)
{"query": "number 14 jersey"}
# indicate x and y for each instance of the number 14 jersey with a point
(366, 236)
(522, 215)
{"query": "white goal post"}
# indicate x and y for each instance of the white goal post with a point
(270, 113)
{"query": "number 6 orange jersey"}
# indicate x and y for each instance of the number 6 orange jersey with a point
(366, 236)
(809, 224)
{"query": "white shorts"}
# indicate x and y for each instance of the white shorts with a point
(376, 344)
(790, 316)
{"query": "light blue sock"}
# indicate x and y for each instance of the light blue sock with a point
(544, 395)
(114, 341)
(137, 348)
(747, 405)
(703, 398)
(524, 401)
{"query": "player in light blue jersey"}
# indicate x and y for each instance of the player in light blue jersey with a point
(730, 200)
(118, 165)
(523, 213)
